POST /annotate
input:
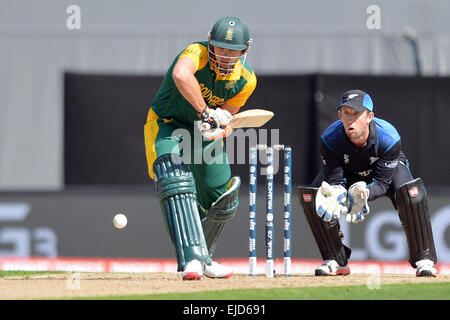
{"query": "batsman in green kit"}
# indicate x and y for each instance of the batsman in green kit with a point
(207, 83)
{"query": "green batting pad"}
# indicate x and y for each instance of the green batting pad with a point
(176, 192)
(221, 211)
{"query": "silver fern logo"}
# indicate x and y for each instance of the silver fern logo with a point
(346, 158)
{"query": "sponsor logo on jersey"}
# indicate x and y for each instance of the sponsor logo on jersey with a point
(413, 192)
(307, 197)
(211, 99)
(365, 173)
(391, 164)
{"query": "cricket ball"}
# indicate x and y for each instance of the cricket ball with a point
(120, 221)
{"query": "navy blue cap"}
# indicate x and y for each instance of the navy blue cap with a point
(356, 99)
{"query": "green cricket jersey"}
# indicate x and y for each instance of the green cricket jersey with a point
(233, 89)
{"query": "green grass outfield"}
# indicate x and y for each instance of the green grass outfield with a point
(4, 274)
(416, 291)
(406, 291)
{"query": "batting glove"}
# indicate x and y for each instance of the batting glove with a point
(217, 133)
(215, 118)
(214, 123)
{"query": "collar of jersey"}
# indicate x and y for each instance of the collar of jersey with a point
(372, 140)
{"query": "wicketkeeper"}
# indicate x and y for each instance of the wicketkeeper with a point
(207, 83)
(362, 160)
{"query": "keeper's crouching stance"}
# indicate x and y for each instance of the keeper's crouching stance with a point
(362, 161)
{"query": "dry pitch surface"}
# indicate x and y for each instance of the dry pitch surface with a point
(109, 284)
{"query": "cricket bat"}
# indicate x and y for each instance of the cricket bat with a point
(253, 118)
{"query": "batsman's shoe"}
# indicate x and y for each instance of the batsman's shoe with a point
(216, 270)
(332, 268)
(425, 268)
(193, 270)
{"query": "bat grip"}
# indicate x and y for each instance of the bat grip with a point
(206, 126)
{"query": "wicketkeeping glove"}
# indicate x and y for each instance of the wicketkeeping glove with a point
(358, 194)
(331, 201)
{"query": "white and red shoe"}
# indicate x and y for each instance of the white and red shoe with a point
(193, 270)
(216, 270)
(332, 268)
(425, 268)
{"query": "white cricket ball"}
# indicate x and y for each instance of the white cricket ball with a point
(120, 221)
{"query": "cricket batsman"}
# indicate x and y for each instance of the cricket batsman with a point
(362, 161)
(206, 84)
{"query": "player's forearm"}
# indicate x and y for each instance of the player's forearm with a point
(332, 169)
(335, 176)
(383, 171)
(189, 88)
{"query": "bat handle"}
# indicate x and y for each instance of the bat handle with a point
(206, 126)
